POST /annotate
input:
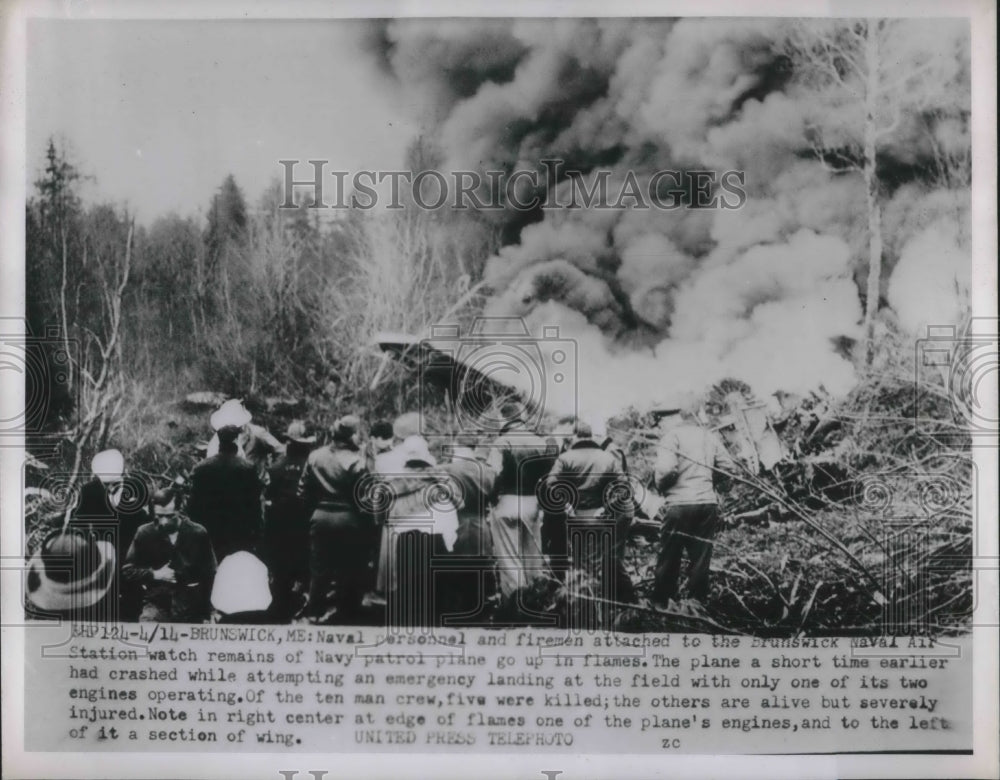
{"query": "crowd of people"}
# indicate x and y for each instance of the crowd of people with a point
(371, 526)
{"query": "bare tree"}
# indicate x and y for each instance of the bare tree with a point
(868, 76)
(406, 270)
(101, 375)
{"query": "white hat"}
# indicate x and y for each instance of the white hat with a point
(408, 424)
(108, 466)
(231, 414)
(241, 584)
(414, 448)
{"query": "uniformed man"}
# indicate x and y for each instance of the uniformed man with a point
(339, 531)
(226, 489)
(254, 442)
(285, 546)
(598, 511)
(111, 507)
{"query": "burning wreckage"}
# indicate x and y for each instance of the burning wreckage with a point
(789, 451)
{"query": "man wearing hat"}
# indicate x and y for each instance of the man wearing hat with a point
(339, 532)
(226, 489)
(171, 564)
(691, 461)
(521, 458)
(240, 592)
(254, 442)
(286, 525)
(71, 577)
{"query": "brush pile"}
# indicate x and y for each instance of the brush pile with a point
(863, 527)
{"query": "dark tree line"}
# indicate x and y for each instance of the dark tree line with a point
(251, 301)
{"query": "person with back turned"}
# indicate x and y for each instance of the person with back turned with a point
(339, 531)
(285, 545)
(70, 577)
(472, 580)
(112, 506)
(691, 462)
(520, 458)
(598, 511)
(226, 489)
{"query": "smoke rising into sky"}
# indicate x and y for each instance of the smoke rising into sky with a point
(660, 301)
(770, 293)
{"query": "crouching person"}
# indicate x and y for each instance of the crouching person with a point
(339, 532)
(171, 564)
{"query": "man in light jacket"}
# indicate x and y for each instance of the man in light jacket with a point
(521, 459)
(691, 461)
(421, 527)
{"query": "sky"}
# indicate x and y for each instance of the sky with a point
(160, 112)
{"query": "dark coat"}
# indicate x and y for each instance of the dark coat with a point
(286, 520)
(226, 499)
(192, 560)
(117, 524)
(587, 473)
(332, 479)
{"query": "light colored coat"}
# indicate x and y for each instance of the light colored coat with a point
(688, 457)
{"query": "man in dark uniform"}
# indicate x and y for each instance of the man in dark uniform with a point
(598, 511)
(286, 525)
(226, 495)
(339, 532)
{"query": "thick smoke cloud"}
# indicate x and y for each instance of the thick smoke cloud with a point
(932, 278)
(665, 301)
